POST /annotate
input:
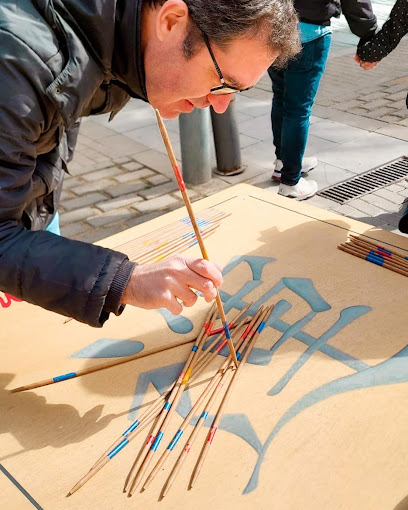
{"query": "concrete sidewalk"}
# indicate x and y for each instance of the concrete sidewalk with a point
(121, 175)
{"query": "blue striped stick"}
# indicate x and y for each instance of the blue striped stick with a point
(171, 245)
(101, 366)
(373, 258)
(389, 253)
(216, 380)
(139, 464)
(379, 251)
(214, 426)
(147, 417)
(178, 247)
(183, 190)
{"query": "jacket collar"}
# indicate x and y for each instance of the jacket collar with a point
(127, 63)
(107, 44)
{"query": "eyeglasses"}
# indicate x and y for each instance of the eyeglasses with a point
(222, 89)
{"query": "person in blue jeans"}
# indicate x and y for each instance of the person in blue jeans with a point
(295, 88)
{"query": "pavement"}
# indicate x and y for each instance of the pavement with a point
(121, 175)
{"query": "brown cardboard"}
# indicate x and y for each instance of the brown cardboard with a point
(331, 433)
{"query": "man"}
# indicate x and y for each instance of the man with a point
(295, 88)
(63, 59)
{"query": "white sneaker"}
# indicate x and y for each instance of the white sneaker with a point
(302, 190)
(307, 165)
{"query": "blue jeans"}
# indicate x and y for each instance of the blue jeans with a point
(294, 90)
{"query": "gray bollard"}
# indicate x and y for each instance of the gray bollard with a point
(195, 146)
(226, 141)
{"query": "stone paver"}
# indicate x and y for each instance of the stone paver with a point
(125, 188)
(101, 174)
(162, 189)
(155, 203)
(83, 201)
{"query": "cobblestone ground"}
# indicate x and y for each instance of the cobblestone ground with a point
(379, 94)
(102, 199)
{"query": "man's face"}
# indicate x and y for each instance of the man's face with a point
(176, 85)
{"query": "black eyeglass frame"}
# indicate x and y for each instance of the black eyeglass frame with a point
(222, 89)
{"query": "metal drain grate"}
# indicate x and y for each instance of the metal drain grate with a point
(367, 182)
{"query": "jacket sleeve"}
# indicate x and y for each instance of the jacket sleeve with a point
(72, 278)
(360, 17)
(387, 39)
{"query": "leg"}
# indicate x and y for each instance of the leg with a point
(301, 81)
(277, 76)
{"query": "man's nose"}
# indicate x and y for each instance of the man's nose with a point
(219, 103)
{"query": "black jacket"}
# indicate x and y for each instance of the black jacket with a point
(388, 37)
(358, 13)
(59, 60)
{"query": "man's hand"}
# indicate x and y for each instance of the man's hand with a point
(162, 284)
(365, 65)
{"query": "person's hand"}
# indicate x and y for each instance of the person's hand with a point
(164, 283)
(365, 65)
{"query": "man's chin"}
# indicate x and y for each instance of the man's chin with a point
(172, 111)
(169, 114)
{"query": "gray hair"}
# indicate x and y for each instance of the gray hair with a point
(226, 20)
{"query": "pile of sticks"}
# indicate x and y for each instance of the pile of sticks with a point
(158, 416)
(174, 238)
(376, 254)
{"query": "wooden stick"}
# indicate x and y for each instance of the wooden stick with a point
(147, 417)
(380, 251)
(180, 231)
(206, 216)
(375, 258)
(214, 216)
(187, 202)
(346, 248)
(159, 435)
(207, 354)
(383, 248)
(220, 381)
(111, 453)
(159, 428)
(170, 239)
(102, 366)
(150, 414)
(213, 429)
(174, 246)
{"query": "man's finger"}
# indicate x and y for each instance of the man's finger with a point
(205, 269)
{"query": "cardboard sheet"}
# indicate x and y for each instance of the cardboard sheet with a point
(316, 422)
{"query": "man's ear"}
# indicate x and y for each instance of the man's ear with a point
(172, 20)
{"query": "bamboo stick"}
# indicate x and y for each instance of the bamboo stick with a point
(167, 235)
(157, 433)
(187, 202)
(208, 215)
(224, 402)
(102, 366)
(381, 251)
(383, 248)
(375, 258)
(170, 240)
(219, 382)
(174, 246)
(147, 417)
(346, 248)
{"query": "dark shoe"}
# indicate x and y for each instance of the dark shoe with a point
(403, 222)
(231, 172)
